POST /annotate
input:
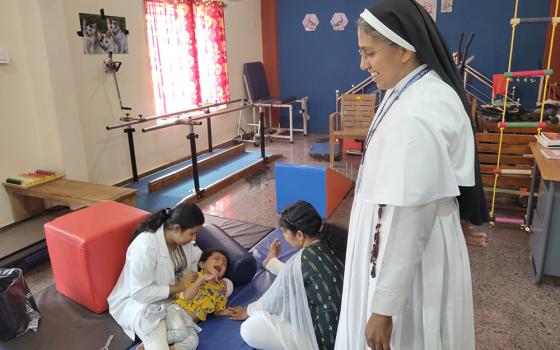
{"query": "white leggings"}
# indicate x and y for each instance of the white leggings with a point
(178, 328)
(156, 339)
(259, 332)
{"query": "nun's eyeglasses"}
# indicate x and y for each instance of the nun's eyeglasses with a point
(368, 55)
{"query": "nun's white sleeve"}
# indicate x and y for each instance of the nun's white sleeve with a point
(407, 239)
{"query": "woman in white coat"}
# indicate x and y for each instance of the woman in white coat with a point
(157, 266)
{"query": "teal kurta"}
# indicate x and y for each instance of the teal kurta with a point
(323, 275)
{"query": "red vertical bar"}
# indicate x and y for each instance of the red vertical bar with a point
(555, 63)
(269, 25)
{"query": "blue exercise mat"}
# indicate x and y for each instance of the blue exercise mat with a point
(321, 151)
(223, 333)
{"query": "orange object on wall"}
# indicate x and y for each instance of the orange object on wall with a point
(87, 249)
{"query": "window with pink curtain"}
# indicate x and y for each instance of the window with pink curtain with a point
(187, 46)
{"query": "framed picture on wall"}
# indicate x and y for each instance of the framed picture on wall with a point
(310, 22)
(103, 34)
(339, 21)
(446, 6)
(430, 6)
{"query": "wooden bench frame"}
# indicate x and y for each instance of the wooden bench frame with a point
(353, 121)
(26, 202)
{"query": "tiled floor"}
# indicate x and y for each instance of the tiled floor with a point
(510, 311)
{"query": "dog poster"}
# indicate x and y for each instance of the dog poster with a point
(103, 34)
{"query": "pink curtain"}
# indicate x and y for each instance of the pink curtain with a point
(186, 40)
(211, 48)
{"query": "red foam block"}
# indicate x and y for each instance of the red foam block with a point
(87, 250)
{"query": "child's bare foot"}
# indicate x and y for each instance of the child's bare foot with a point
(139, 347)
(273, 251)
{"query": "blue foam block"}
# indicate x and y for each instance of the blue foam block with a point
(301, 182)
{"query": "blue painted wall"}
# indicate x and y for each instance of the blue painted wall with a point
(316, 64)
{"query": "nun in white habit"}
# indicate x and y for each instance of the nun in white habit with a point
(407, 281)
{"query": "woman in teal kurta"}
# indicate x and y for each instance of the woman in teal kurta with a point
(323, 273)
(301, 309)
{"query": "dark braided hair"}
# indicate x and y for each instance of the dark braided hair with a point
(186, 215)
(302, 216)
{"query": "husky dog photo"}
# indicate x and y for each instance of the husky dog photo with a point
(103, 34)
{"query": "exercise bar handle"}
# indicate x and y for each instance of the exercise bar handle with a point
(147, 119)
(225, 111)
(529, 73)
(540, 125)
(157, 127)
(183, 121)
(173, 123)
(512, 171)
(533, 20)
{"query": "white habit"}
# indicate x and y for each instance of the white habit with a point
(419, 155)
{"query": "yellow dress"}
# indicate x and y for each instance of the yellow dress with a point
(210, 298)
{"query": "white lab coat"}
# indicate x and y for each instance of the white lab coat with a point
(142, 290)
(419, 156)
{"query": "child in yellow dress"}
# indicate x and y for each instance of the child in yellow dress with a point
(205, 295)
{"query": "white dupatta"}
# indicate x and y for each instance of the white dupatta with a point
(286, 300)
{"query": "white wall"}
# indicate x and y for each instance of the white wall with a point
(55, 101)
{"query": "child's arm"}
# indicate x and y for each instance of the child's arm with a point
(191, 290)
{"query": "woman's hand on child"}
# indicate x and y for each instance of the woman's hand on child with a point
(180, 286)
(225, 312)
(191, 277)
(238, 313)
